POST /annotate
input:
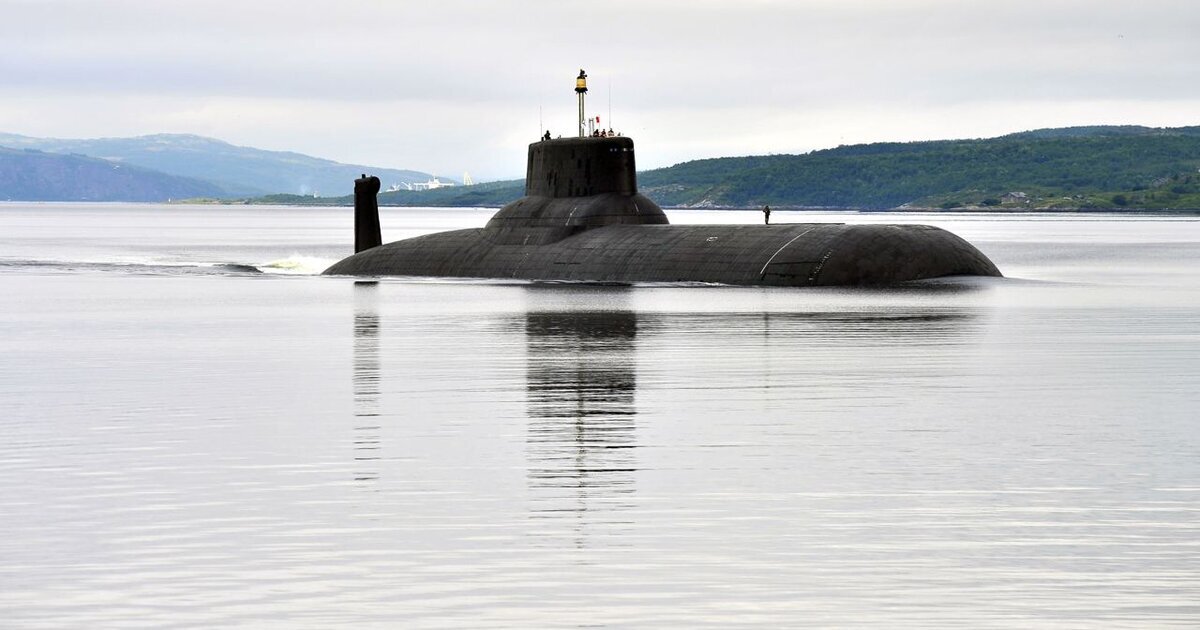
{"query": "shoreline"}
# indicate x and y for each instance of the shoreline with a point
(800, 209)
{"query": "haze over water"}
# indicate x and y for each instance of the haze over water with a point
(189, 442)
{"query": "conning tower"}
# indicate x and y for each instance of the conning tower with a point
(575, 184)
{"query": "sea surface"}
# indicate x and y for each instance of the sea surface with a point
(197, 431)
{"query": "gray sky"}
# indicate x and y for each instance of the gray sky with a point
(450, 86)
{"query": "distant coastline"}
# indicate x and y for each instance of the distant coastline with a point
(1077, 169)
(348, 202)
(1124, 169)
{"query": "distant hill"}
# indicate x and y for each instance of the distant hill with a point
(1098, 167)
(1104, 130)
(234, 171)
(1074, 167)
(1104, 167)
(29, 175)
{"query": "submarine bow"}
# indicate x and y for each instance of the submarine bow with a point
(582, 219)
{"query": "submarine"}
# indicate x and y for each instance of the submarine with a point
(582, 219)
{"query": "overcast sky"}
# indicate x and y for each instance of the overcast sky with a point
(455, 86)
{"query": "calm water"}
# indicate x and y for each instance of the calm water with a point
(191, 443)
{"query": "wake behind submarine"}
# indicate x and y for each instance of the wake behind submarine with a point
(583, 220)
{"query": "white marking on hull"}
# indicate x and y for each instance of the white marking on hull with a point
(764, 269)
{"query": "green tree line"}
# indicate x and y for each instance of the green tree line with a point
(1077, 167)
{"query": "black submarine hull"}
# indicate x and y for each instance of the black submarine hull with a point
(582, 220)
(804, 254)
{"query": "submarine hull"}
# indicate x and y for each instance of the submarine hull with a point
(804, 254)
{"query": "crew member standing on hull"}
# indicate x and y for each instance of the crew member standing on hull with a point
(767, 215)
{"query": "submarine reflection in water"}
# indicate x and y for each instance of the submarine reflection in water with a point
(581, 382)
(366, 381)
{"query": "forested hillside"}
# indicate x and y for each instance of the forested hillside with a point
(1051, 168)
